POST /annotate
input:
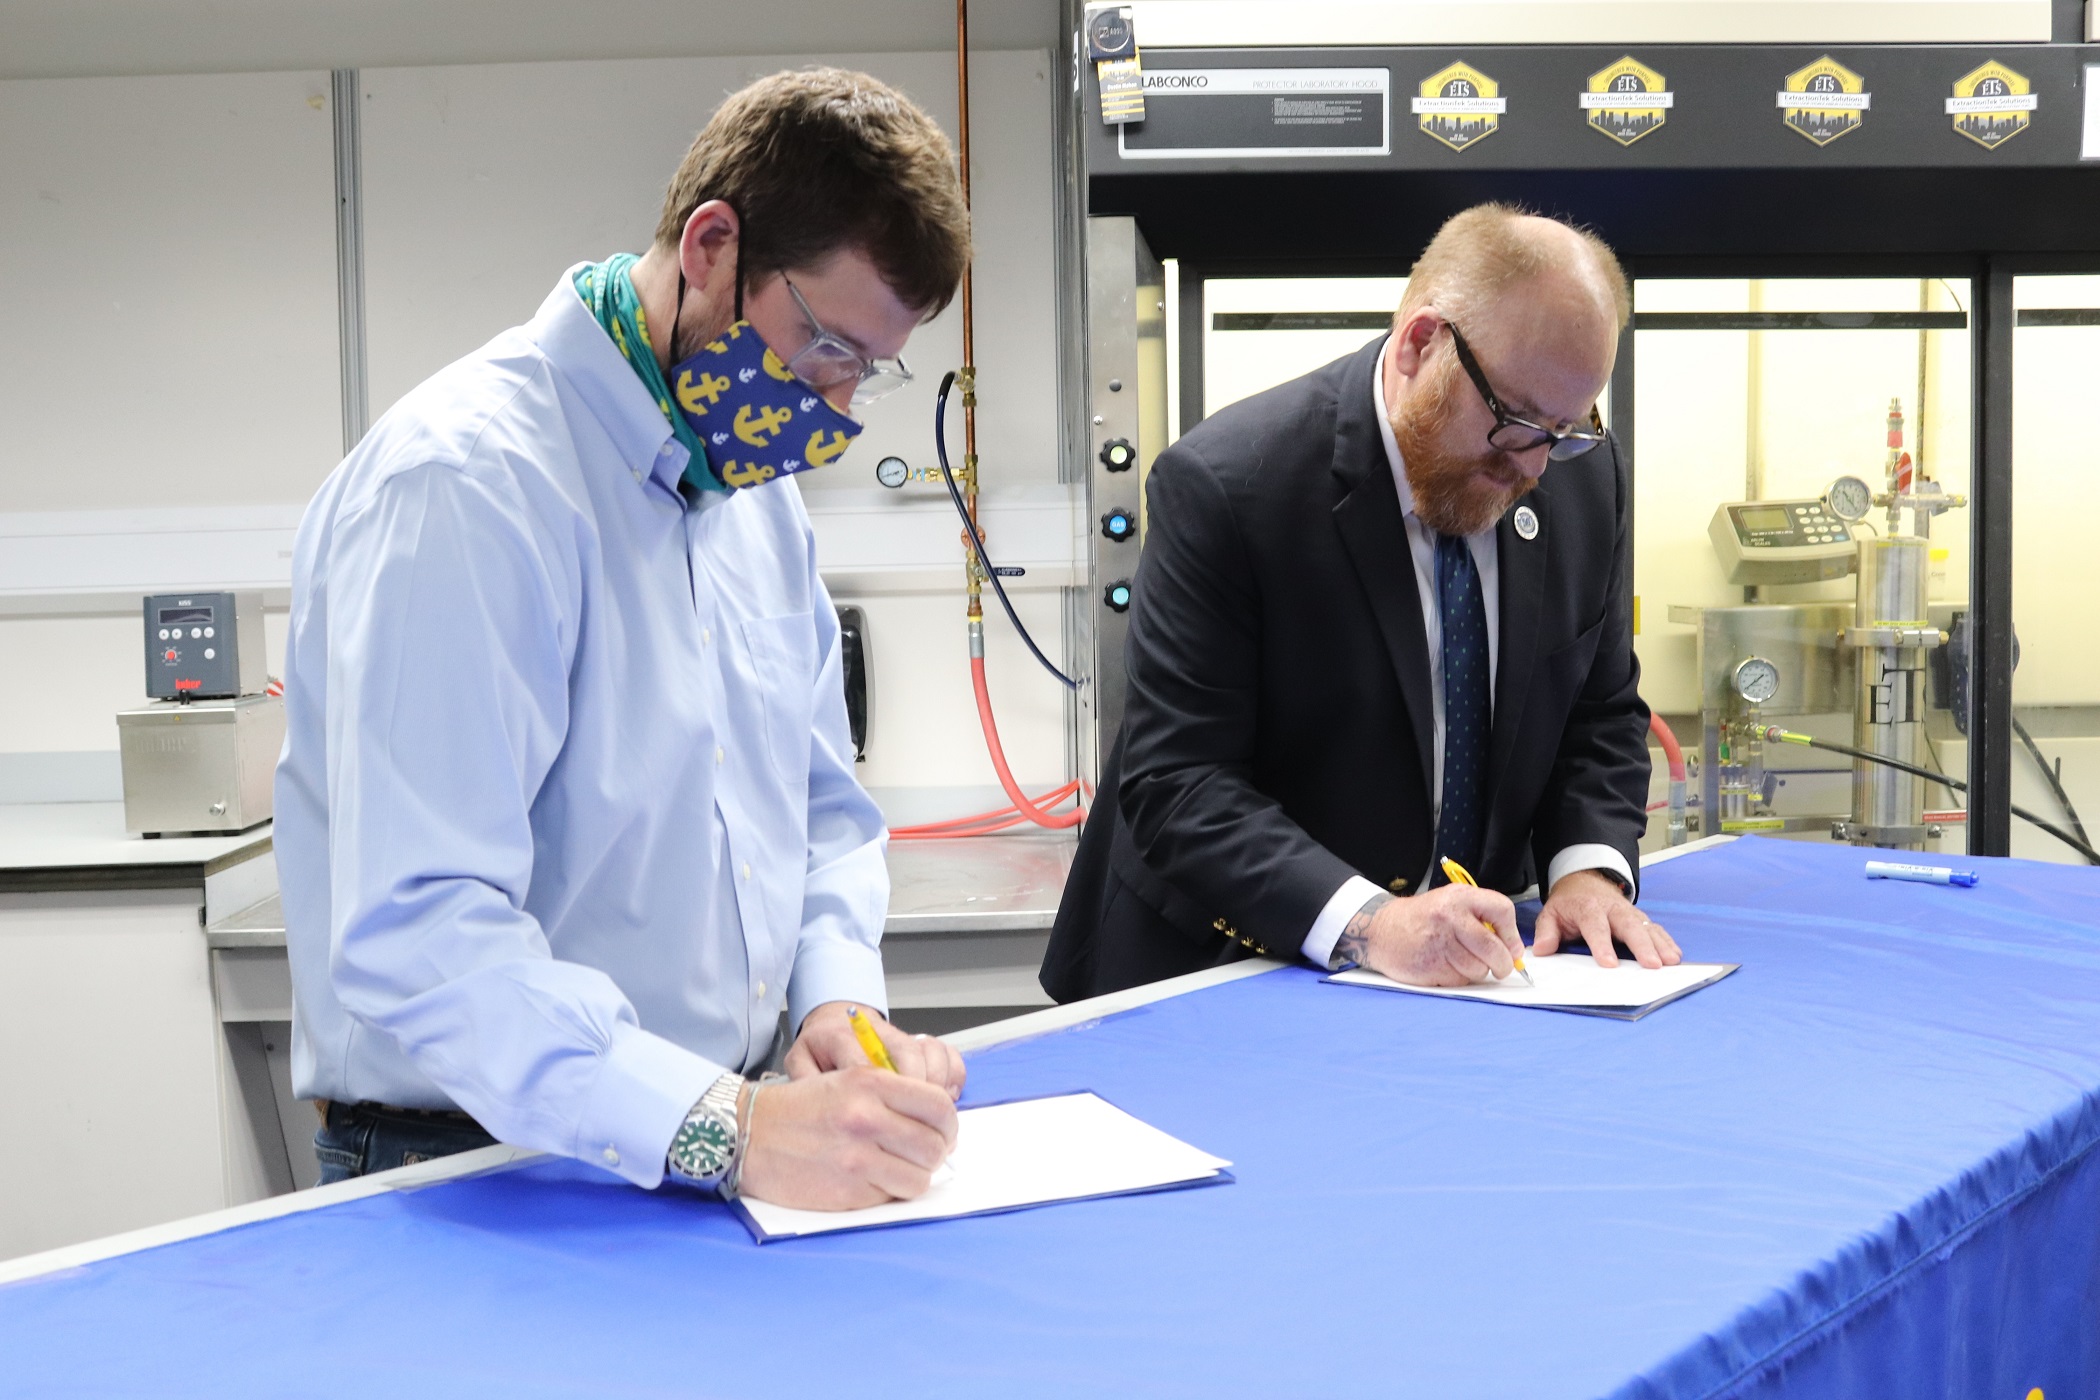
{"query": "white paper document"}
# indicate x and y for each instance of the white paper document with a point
(1572, 982)
(1028, 1153)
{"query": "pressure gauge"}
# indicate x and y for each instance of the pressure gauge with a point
(893, 472)
(1757, 680)
(1849, 498)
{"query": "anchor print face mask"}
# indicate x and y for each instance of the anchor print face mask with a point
(754, 418)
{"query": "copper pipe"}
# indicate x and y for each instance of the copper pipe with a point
(966, 377)
(962, 107)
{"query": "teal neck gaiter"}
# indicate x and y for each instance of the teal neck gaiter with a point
(607, 290)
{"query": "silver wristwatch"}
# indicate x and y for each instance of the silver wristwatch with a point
(704, 1151)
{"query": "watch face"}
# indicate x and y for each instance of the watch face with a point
(1849, 498)
(892, 471)
(1757, 680)
(703, 1146)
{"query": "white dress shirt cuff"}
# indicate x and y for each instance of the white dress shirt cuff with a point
(644, 1087)
(1355, 892)
(1589, 855)
(835, 971)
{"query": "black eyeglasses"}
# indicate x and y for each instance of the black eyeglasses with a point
(1514, 434)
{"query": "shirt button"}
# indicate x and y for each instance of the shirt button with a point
(720, 754)
(747, 870)
(637, 476)
(707, 635)
(761, 991)
(611, 1155)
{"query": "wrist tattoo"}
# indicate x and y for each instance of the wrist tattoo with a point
(1356, 934)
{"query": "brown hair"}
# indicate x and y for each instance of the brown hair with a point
(821, 160)
(1483, 251)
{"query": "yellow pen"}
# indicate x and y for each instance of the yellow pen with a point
(1458, 875)
(870, 1043)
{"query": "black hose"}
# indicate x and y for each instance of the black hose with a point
(2063, 799)
(2092, 856)
(940, 450)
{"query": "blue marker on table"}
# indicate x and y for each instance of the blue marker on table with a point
(1923, 874)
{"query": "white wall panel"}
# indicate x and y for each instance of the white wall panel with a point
(167, 261)
(39, 39)
(484, 183)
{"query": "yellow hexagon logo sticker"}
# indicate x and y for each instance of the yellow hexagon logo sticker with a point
(1459, 106)
(1627, 100)
(1991, 104)
(1824, 100)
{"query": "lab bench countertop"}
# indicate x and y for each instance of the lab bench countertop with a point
(980, 884)
(84, 846)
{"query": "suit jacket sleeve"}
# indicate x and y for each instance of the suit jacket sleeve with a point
(1598, 788)
(1194, 661)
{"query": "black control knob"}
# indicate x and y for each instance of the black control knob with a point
(1117, 595)
(1118, 455)
(1119, 524)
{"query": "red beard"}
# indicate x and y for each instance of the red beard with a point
(1454, 494)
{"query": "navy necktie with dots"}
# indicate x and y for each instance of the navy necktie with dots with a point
(1463, 814)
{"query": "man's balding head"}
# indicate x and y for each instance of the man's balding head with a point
(1483, 254)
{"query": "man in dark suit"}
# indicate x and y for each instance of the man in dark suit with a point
(1372, 630)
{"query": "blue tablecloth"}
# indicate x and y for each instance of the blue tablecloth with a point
(1862, 1166)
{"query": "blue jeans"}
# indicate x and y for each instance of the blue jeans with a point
(367, 1137)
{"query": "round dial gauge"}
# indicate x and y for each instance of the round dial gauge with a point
(893, 472)
(1757, 680)
(1849, 498)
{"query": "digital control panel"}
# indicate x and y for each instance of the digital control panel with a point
(204, 646)
(1781, 542)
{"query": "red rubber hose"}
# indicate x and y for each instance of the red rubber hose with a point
(1023, 808)
(1047, 800)
(1060, 822)
(1671, 751)
(981, 824)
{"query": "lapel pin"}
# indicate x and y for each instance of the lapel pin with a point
(1527, 523)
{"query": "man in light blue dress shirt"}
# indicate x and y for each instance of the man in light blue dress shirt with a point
(566, 819)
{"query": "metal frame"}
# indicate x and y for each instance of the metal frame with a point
(346, 98)
(1990, 559)
(1991, 539)
(1068, 212)
(1120, 271)
(1194, 322)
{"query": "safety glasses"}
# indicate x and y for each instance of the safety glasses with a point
(827, 361)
